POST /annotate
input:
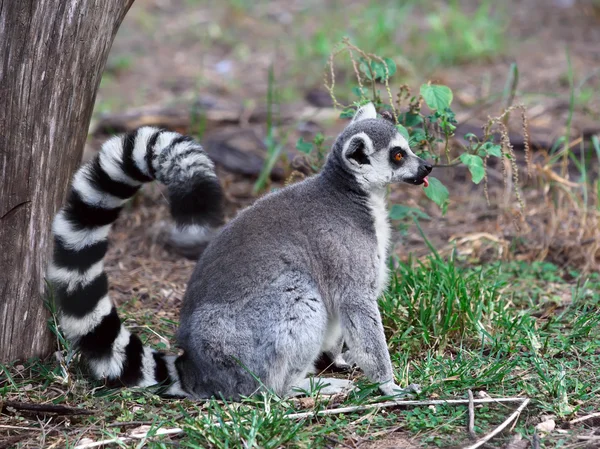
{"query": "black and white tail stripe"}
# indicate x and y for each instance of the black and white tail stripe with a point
(99, 191)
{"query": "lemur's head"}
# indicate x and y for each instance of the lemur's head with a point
(373, 150)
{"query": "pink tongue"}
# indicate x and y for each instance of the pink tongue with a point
(426, 181)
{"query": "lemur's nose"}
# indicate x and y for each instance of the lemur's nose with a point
(428, 167)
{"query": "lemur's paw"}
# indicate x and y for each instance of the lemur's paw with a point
(391, 389)
(341, 364)
(349, 359)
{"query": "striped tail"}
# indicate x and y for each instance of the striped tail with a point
(99, 190)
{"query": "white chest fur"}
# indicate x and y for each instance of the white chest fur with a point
(377, 203)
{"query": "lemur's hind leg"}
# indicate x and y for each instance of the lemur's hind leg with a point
(267, 342)
(297, 334)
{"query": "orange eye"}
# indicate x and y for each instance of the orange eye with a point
(398, 157)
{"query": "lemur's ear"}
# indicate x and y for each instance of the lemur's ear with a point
(365, 112)
(358, 149)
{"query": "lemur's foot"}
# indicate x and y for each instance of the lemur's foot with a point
(391, 389)
(340, 363)
(333, 363)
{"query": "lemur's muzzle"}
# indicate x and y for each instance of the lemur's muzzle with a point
(422, 172)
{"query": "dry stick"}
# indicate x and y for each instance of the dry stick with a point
(334, 411)
(159, 432)
(535, 443)
(501, 427)
(388, 404)
(45, 408)
(585, 418)
(471, 425)
(129, 423)
(5, 426)
(590, 438)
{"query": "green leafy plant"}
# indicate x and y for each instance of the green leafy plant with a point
(315, 151)
(428, 122)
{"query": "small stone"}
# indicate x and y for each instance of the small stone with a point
(546, 426)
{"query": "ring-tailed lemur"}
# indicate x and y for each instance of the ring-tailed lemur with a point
(290, 277)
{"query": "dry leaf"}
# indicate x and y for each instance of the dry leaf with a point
(306, 402)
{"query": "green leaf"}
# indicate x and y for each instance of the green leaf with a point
(416, 137)
(410, 120)
(378, 70)
(319, 139)
(470, 136)
(348, 113)
(391, 65)
(475, 165)
(436, 96)
(359, 91)
(364, 67)
(492, 150)
(304, 146)
(438, 193)
(402, 130)
(399, 212)
(425, 154)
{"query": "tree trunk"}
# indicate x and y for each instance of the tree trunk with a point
(51, 60)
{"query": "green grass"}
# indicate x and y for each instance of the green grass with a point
(455, 36)
(453, 328)
(508, 329)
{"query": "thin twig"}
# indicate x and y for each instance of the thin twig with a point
(590, 438)
(45, 408)
(501, 427)
(129, 424)
(135, 436)
(5, 426)
(452, 164)
(389, 404)
(535, 443)
(471, 424)
(585, 418)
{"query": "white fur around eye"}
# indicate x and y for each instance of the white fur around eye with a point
(400, 141)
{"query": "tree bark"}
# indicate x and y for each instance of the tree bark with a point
(51, 60)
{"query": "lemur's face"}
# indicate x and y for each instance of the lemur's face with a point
(378, 155)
